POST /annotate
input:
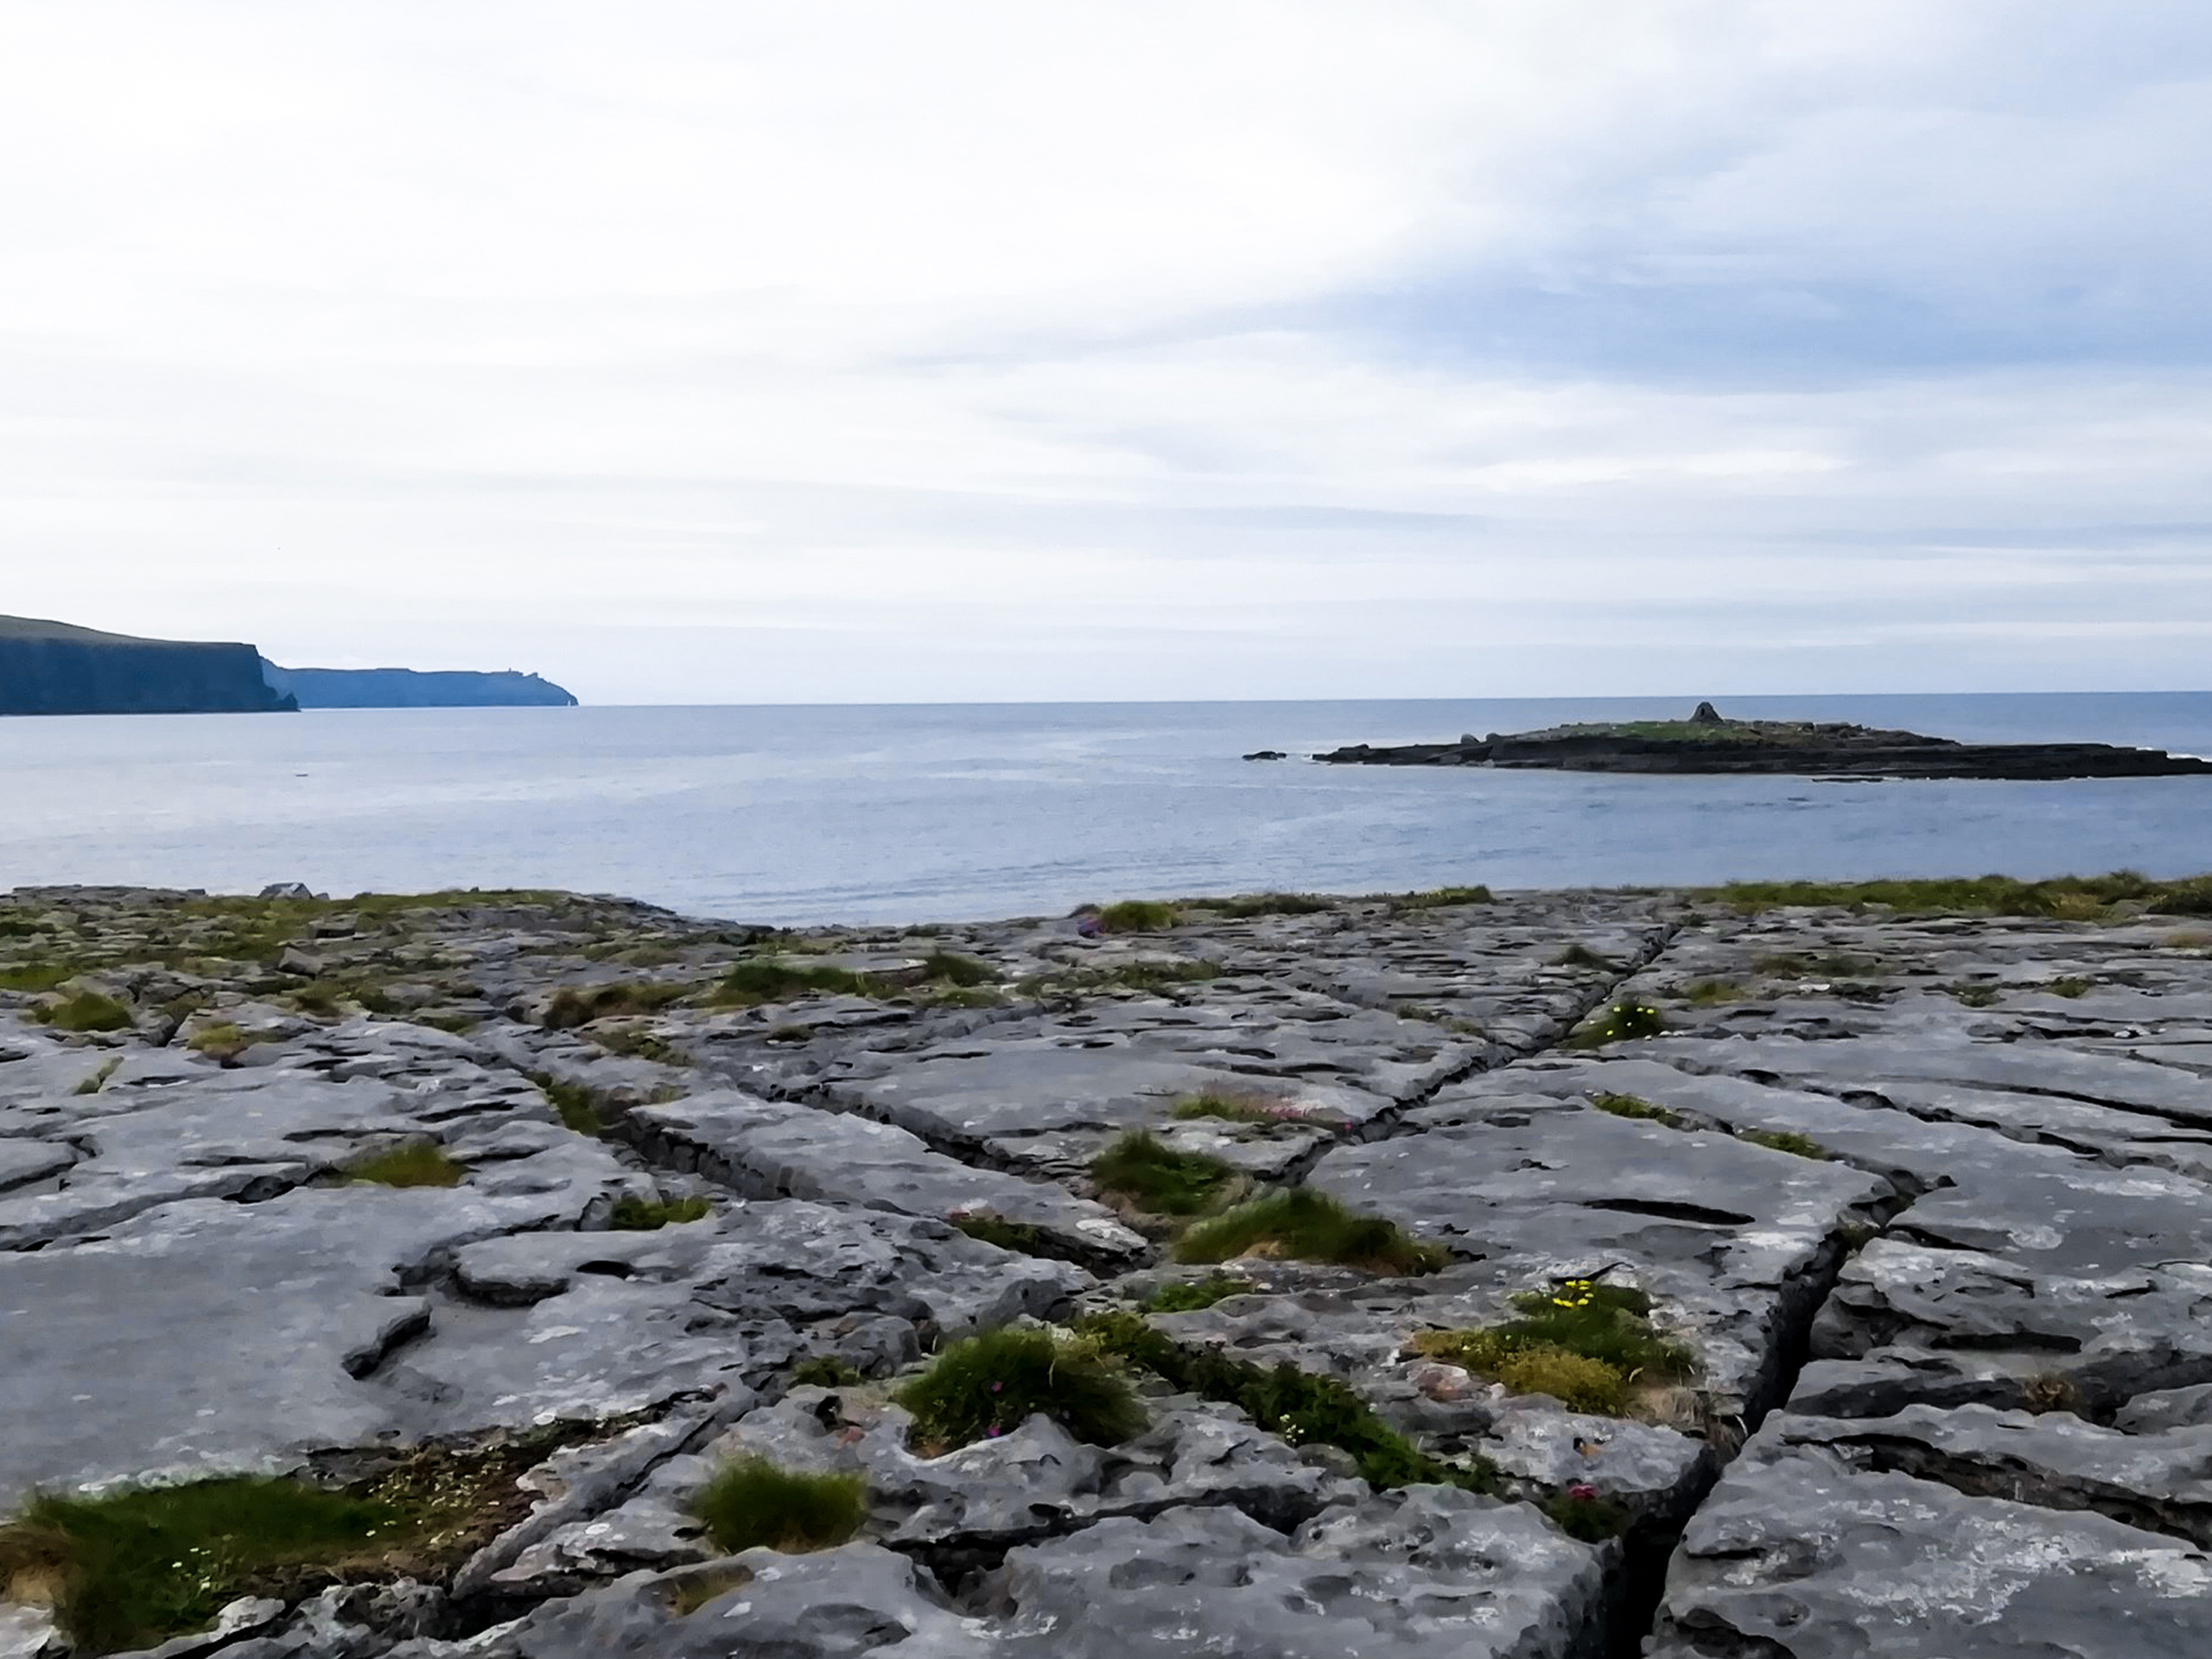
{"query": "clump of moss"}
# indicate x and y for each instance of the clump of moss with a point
(1621, 1023)
(1975, 994)
(579, 1005)
(419, 1163)
(1789, 1141)
(1021, 1236)
(1585, 1344)
(633, 1214)
(774, 978)
(1635, 1106)
(579, 1107)
(824, 1371)
(1138, 916)
(1438, 898)
(88, 1011)
(133, 1567)
(1581, 955)
(1713, 993)
(751, 1501)
(986, 1385)
(1241, 905)
(1301, 1408)
(1306, 1225)
(2069, 985)
(1153, 1176)
(1188, 1296)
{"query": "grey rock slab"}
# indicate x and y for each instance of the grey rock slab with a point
(23, 1161)
(1797, 1554)
(2154, 1479)
(775, 1149)
(261, 1315)
(2165, 1409)
(1731, 1239)
(1426, 1573)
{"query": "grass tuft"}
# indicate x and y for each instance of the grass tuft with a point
(1590, 1518)
(132, 1568)
(1636, 1106)
(949, 967)
(1300, 1408)
(1153, 1176)
(579, 1005)
(1976, 995)
(1019, 1235)
(751, 1501)
(824, 1371)
(98, 1080)
(420, 1163)
(222, 1040)
(1789, 1141)
(981, 1388)
(1306, 1225)
(2070, 985)
(88, 1011)
(1138, 916)
(1240, 1108)
(1187, 1296)
(773, 979)
(36, 976)
(578, 1106)
(633, 1214)
(1581, 955)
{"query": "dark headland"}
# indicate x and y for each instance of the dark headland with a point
(1707, 742)
(57, 668)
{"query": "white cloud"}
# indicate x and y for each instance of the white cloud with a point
(887, 351)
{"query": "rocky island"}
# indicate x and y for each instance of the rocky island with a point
(1798, 1272)
(1707, 742)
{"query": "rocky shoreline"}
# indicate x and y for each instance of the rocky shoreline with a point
(1708, 743)
(1925, 1199)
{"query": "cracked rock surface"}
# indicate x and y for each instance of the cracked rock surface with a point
(1929, 1200)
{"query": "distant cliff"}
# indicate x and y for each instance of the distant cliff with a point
(51, 668)
(407, 688)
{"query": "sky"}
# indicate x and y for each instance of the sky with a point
(989, 351)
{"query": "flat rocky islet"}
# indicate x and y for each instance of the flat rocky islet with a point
(1918, 1176)
(1709, 742)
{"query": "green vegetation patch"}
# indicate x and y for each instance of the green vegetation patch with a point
(1976, 995)
(1242, 904)
(2070, 985)
(87, 1011)
(1303, 1409)
(1138, 916)
(37, 977)
(987, 1385)
(1581, 1513)
(1438, 898)
(777, 979)
(133, 1567)
(1789, 1141)
(633, 1214)
(1623, 1022)
(419, 1163)
(1306, 1225)
(1636, 1106)
(222, 1041)
(98, 1080)
(1585, 1344)
(1153, 1176)
(752, 1501)
(1240, 1108)
(1019, 1235)
(580, 1107)
(950, 967)
(1188, 1296)
(579, 1005)
(2066, 898)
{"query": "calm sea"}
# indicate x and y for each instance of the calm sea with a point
(793, 815)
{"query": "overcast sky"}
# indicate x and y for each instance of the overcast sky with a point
(830, 352)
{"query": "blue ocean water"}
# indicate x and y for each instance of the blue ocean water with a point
(819, 814)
